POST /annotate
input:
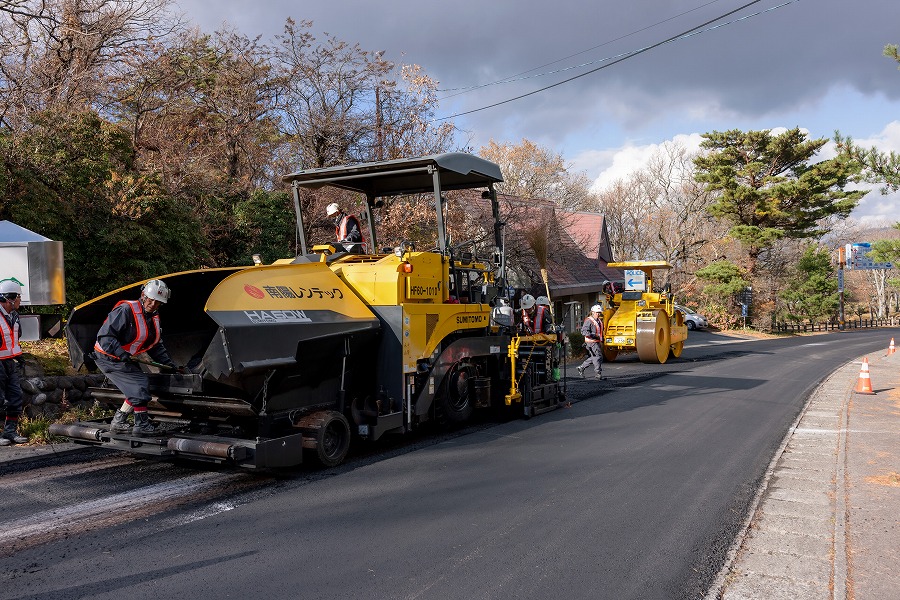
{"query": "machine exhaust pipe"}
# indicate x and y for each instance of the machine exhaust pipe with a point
(77, 431)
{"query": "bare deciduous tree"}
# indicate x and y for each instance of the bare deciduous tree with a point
(60, 54)
(530, 171)
(201, 111)
(660, 213)
(328, 97)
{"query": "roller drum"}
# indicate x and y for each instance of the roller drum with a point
(652, 339)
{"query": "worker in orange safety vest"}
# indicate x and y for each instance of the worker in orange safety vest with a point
(346, 228)
(131, 329)
(543, 319)
(10, 360)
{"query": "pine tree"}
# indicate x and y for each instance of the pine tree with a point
(768, 188)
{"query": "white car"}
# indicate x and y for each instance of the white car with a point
(692, 319)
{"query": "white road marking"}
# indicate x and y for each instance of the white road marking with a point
(77, 516)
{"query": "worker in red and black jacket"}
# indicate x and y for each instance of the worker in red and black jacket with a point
(534, 317)
(133, 328)
(346, 228)
(10, 359)
(543, 318)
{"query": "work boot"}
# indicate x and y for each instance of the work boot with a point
(580, 371)
(142, 425)
(120, 423)
(9, 435)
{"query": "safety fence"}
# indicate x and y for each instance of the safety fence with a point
(783, 327)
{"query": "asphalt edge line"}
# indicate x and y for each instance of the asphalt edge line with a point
(718, 587)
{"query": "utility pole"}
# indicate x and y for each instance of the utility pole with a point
(841, 261)
(379, 134)
(379, 121)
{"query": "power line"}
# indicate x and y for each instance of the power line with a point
(683, 35)
(517, 76)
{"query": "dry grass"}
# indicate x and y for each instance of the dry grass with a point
(888, 479)
(52, 354)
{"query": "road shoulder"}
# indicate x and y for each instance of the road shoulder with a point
(824, 522)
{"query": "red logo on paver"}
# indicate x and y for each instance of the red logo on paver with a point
(254, 291)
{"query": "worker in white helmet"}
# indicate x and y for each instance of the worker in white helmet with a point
(10, 357)
(534, 317)
(133, 328)
(346, 228)
(592, 330)
(526, 314)
(543, 319)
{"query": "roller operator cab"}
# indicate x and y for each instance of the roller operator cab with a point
(640, 320)
(308, 354)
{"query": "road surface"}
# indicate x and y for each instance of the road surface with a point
(637, 491)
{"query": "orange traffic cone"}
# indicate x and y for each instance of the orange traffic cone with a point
(891, 347)
(864, 385)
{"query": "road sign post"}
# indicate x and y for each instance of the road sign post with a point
(857, 258)
(635, 280)
(842, 257)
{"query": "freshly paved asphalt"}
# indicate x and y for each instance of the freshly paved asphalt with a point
(823, 524)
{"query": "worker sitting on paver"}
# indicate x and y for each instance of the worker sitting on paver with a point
(346, 228)
(543, 319)
(534, 317)
(525, 320)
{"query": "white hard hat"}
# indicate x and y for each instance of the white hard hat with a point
(156, 289)
(596, 308)
(10, 286)
(332, 209)
(543, 301)
(526, 301)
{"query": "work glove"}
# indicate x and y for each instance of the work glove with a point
(126, 358)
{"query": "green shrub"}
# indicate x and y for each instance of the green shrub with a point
(576, 343)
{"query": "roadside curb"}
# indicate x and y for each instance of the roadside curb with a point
(718, 587)
(796, 541)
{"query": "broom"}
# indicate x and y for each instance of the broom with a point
(537, 240)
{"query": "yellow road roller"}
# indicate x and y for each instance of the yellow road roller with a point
(640, 320)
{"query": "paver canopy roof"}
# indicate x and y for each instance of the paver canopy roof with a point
(404, 176)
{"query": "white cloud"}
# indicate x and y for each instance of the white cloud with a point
(888, 140)
(876, 208)
(608, 166)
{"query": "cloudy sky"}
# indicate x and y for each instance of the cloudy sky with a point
(814, 64)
